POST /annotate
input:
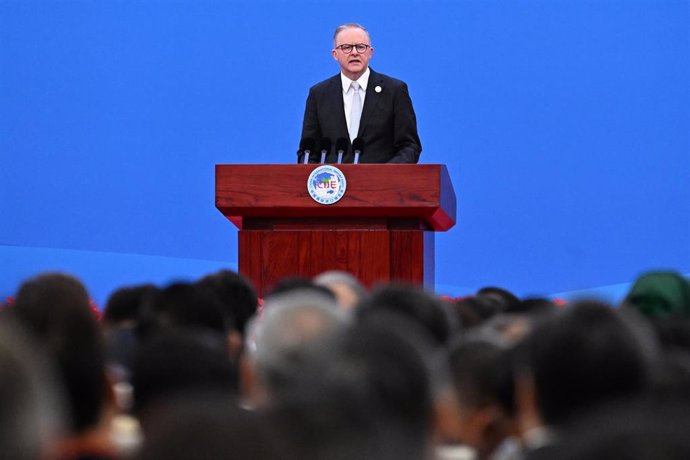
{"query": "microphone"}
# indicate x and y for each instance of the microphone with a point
(341, 146)
(357, 148)
(325, 148)
(306, 146)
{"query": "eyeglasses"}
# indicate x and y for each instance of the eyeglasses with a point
(347, 49)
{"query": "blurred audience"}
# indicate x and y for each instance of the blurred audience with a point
(55, 309)
(31, 419)
(328, 371)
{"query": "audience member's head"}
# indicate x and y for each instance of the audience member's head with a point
(238, 301)
(506, 300)
(182, 306)
(370, 399)
(660, 295)
(120, 319)
(235, 293)
(673, 376)
(31, 412)
(56, 309)
(295, 328)
(124, 305)
(465, 314)
(575, 361)
(534, 306)
(475, 310)
(348, 290)
(180, 364)
(477, 370)
(423, 308)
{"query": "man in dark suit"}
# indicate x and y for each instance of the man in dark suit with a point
(361, 103)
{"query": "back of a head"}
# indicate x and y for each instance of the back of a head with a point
(56, 309)
(348, 290)
(475, 371)
(482, 381)
(415, 304)
(660, 295)
(505, 299)
(180, 363)
(476, 310)
(584, 357)
(47, 301)
(235, 293)
(124, 305)
(371, 399)
(294, 330)
(30, 415)
(395, 367)
(536, 307)
(182, 306)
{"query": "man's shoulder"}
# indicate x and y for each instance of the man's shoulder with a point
(387, 79)
(323, 85)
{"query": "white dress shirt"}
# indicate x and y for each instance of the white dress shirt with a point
(348, 93)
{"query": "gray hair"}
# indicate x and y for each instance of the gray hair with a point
(339, 277)
(296, 328)
(349, 25)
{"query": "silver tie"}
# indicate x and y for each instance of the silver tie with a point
(355, 111)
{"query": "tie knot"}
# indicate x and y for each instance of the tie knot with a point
(355, 86)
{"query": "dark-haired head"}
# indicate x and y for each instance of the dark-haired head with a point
(55, 307)
(124, 305)
(180, 364)
(423, 308)
(584, 357)
(182, 306)
(235, 293)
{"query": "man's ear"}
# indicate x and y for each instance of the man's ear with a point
(334, 53)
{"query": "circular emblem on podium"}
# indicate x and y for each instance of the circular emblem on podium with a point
(326, 184)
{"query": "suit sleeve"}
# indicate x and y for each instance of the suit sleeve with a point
(310, 126)
(406, 140)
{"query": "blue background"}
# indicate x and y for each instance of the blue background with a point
(565, 125)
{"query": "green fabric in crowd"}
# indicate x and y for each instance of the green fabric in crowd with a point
(660, 294)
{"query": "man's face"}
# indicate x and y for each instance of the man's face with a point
(355, 63)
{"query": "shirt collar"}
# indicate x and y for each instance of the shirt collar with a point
(363, 81)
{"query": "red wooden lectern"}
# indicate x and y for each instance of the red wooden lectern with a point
(381, 230)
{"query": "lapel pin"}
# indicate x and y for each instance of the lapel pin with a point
(377, 89)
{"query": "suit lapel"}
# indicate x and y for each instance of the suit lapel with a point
(335, 93)
(371, 101)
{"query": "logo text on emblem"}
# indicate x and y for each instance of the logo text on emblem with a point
(326, 184)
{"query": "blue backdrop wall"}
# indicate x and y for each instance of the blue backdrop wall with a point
(565, 126)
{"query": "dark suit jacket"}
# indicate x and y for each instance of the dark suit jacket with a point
(388, 125)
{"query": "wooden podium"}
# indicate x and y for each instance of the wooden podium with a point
(381, 230)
